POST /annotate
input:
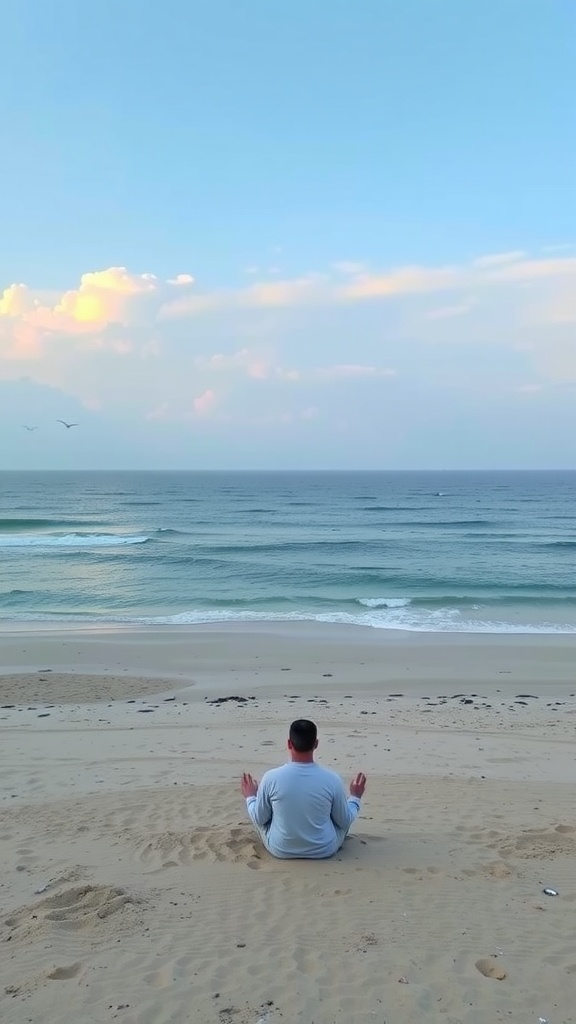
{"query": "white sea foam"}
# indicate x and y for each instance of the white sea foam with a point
(384, 602)
(68, 540)
(443, 620)
(438, 624)
(402, 617)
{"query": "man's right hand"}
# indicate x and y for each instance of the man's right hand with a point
(248, 785)
(358, 785)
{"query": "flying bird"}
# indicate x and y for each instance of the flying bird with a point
(29, 428)
(67, 425)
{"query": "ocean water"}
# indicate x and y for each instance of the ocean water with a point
(441, 552)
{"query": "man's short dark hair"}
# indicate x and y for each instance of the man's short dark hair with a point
(303, 735)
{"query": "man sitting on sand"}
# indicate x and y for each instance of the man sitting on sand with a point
(301, 809)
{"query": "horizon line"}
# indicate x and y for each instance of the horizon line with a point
(295, 469)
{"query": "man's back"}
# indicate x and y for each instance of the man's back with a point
(302, 810)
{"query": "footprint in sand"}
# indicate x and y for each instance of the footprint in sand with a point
(65, 973)
(498, 870)
(490, 968)
(35, 981)
(215, 844)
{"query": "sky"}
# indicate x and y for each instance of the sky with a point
(309, 234)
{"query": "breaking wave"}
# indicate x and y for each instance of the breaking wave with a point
(69, 540)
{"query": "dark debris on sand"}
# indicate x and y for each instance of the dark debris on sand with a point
(224, 700)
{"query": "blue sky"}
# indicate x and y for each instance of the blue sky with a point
(280, 235)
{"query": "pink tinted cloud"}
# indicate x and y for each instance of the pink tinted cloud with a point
(103, 298)
(181, 280)
(349, 282)
(258, 369)
(299, 291)
(204, 403)
(404, 281)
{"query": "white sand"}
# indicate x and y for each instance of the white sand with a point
(160, 905)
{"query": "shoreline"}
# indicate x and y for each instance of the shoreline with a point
(399, 619)
(152, 647)
(247, 658)
(327, 630)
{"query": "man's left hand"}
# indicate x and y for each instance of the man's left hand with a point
(249, 786)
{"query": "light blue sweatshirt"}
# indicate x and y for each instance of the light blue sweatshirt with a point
(302, 811)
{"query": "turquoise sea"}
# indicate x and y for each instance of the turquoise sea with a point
(437, 551)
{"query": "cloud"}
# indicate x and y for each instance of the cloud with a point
(161, 412)
(204, 403)
(16, 301)
(292, 292)
(288, 374)
(299, 291)
(104, 298)
(118, 297)
(499, 259)
(352, 283)
(319, 289)
(181, 280)
(260, 367)
(252, 364)
(405, 281)
(349, 268)
(165, 350)
(352, 371)
(530, 270)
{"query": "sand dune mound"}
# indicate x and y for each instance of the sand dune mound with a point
(538, 844)
(86, 906)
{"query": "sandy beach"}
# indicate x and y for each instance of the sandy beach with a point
(134, 889)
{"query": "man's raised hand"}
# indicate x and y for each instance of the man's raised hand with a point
(358, 785)
(249, 786)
